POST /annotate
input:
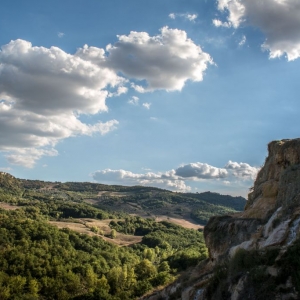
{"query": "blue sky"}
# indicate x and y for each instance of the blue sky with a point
(182, 95)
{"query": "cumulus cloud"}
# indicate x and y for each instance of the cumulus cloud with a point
(219, 23)
(28, 156)
(120, 90)
(201, 171)
(279, 20)
(176, 179)
(242, 170)
(162, 180)
(165, 61)
(43, 91)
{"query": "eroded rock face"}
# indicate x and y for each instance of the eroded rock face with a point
(272, 206)
(278, 182)
(223, 232)
(270, 221)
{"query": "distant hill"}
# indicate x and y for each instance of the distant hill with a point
(138, 200)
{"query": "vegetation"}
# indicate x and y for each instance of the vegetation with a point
(138, 200)
(40, 261)
(166, 242)
(155, 202)
(251, 268)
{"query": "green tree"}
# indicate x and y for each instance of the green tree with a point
(113, 234)
(164, 267)
(145, 270)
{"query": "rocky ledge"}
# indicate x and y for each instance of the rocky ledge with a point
(254, 254)
(272, 213)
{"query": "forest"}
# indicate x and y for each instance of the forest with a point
(40, 261)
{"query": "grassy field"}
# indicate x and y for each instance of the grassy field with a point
(8, 206)
(84, 226)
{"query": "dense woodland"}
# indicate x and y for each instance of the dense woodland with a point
(40, 261)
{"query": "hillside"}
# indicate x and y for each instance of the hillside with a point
(138, 200)
(62, 240)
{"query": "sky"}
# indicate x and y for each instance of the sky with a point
(181, 95)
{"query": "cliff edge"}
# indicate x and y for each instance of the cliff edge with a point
(272, 210)
(254, 254)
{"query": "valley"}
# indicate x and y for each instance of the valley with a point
(66, 240)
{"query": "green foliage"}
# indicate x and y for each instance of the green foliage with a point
(113, 234)
(69, 198)
(145, 269)
(39, 261)
(290, 265)
(202, 215)
(249, 266)
(162, 278)
(183, 259)
(181, 247)
(236, 203)
(159, 202)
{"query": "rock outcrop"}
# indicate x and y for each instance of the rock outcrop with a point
(255, 254)
(272, 213)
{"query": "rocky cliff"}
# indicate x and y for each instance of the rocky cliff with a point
(254, 254)
(272, 212)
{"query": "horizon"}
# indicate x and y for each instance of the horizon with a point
(179, 96)
(146, 186)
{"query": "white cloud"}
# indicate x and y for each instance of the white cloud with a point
(219, 23)
(200, 171)
(176, 179)
(165, 61)
(242, 41)
(43, 91)
(187, 16)
(120, 90)
(134, 100)
(60, 34)
(279, 20)
(28, 156)
(138, 88)
(236, 11)
(242, 170)
(147, 105)
(191, 17)
(161, 180)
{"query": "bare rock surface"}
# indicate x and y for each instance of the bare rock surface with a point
(270, 221)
